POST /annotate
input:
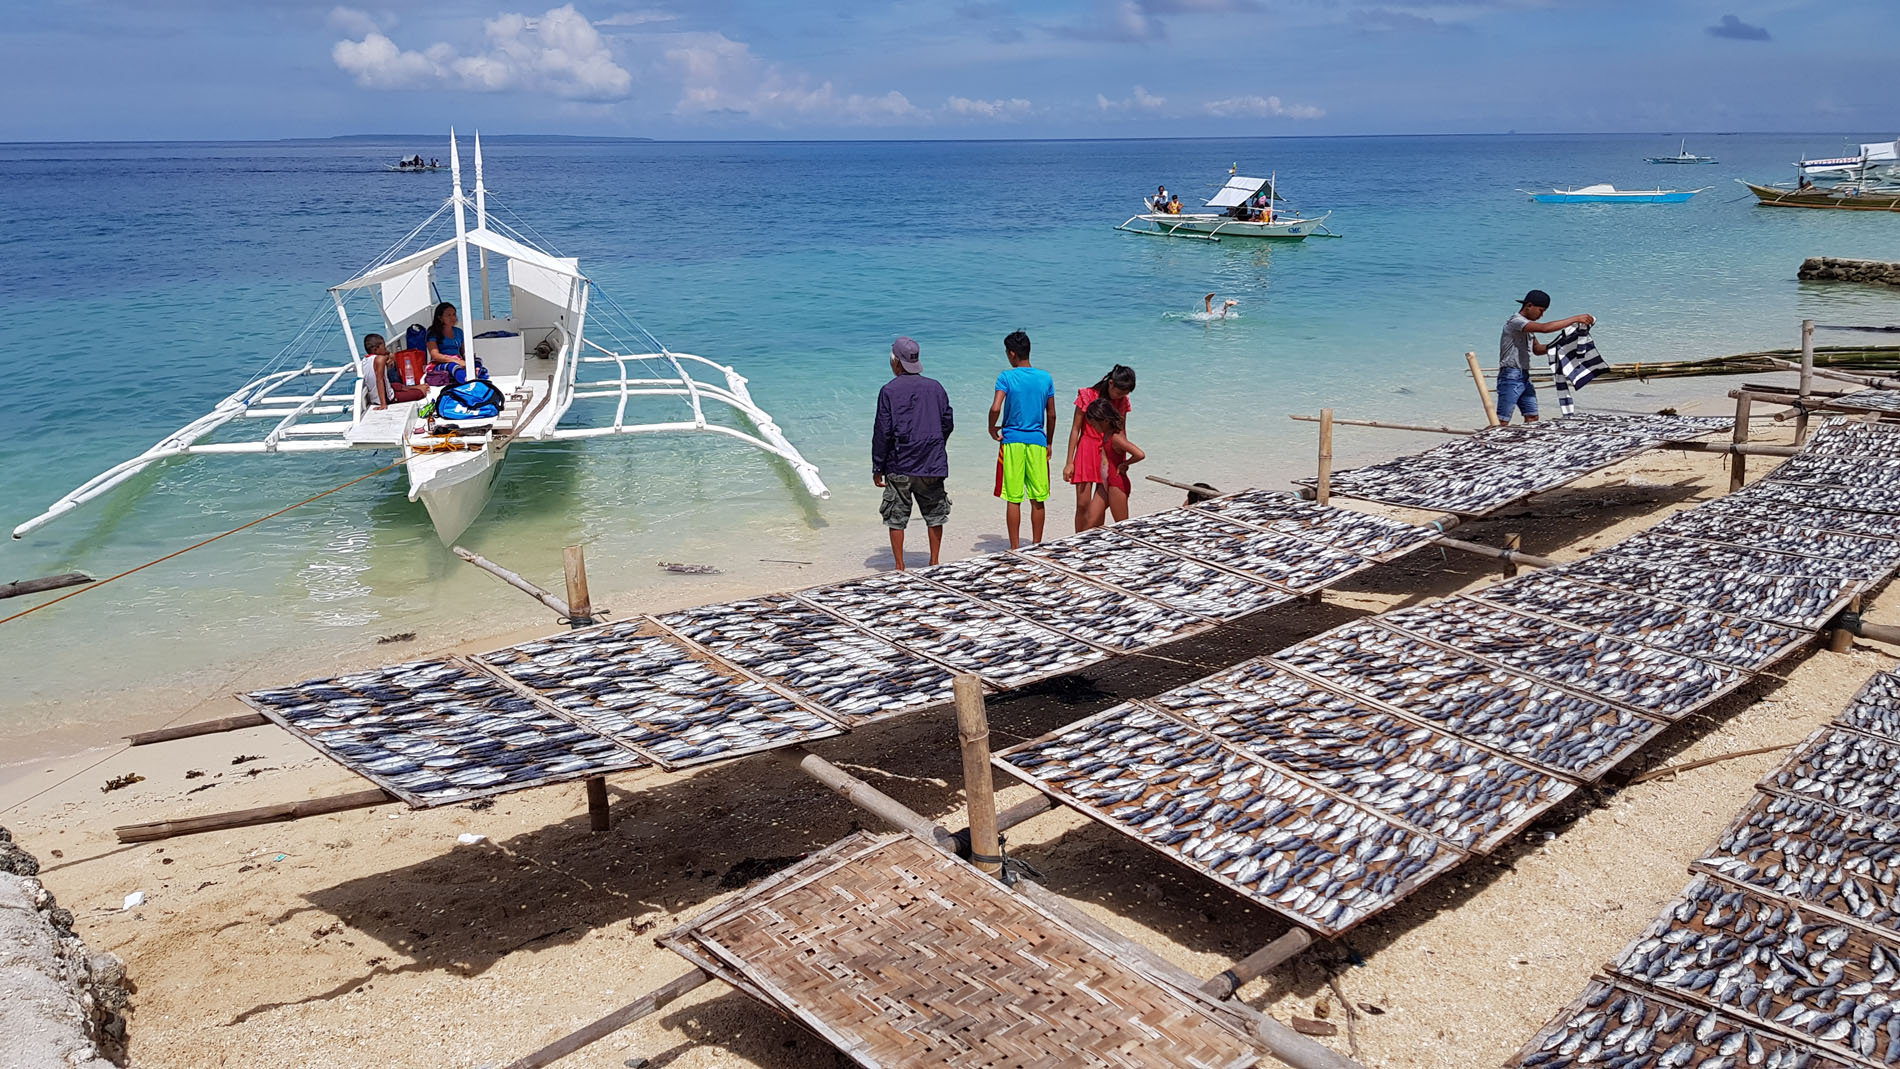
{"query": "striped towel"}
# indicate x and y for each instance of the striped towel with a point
(1574, 361)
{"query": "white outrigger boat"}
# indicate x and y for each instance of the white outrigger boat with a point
(543, 352)
(1279, 224)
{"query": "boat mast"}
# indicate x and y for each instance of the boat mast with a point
(461, 229)
(481, 217)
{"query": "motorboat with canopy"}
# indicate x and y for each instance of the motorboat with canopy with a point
(1873, 157)
(549, 340)
(1683, 155)
(1608, 194)
(1235, 219)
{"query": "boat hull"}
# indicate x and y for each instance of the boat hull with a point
(1771, 197)
(1223, 227)
(1674, 197)
(455, 491)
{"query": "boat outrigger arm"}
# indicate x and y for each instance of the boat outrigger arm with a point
(534, 350)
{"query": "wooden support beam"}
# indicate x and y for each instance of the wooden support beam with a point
(1878, 382)
(1323, 489)
(580, 607)
(1304, 418)
(613, 1022)
(40, 586)
(1751, 449)
(866, 797)
(1258, 963)
(1024, 811)
(244, 818)
(1484, 393)
(598, 816)
(202, 727)
(1841, 639)
(1513, 543)
(1850, 623)
(1196, 492)
(515, 581)
(1807, 380)
(1738, 462)
(1508, 555)
(979, 791)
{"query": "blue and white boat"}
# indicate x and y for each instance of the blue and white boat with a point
(1608, 194)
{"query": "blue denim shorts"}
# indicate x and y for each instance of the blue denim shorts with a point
(1515, 393)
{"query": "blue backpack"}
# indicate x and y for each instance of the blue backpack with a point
(470, 400)
(416, 337)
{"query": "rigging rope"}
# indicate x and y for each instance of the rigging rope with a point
(208, 541)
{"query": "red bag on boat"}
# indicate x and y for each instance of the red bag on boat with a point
(410, 364)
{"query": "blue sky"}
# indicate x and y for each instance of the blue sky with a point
(135, 70)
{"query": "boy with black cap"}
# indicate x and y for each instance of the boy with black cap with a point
(907, 449)
(1515, 349)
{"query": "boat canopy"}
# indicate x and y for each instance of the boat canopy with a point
(1240, 190)
(481, 238)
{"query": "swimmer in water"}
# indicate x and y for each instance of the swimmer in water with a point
(1207, 304)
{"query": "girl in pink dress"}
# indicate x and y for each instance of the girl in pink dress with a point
(1117, 454)
(1084, 468)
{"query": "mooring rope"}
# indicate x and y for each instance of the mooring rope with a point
(208, 541)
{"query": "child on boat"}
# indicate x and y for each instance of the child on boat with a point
(1083, 467)
(1023, 422)
(1117, 454)
(386, 374)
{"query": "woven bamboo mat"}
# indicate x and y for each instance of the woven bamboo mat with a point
(901, 955)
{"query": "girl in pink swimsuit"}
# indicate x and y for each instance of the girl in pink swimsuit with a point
(1117, 454)
(1084, 468)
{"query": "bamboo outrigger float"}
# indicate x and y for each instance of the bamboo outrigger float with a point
(548, 348)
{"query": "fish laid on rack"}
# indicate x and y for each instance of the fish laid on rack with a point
(1876, 709)
(1287, 560)
(1569, 733)
(1882, 401)
(1109, 618)
(1107, 556)
(1882, 554)
(1816, 855)
(854, 676)
(1374, 537)
(1842, 437)
(967, 634)
(1644, 678)
(1669, 551)
(1882, 499)
(1761, 959)
(1846, 770)
(1421, 775)
(437, 732)
(1736, 641)
(1837, 471)
(656, 696)
(1806, 602)
(1615, 1024)
(1284, 844)
(1754, 505)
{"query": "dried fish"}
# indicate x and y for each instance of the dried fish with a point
(1375, 537)
(1286, 560)
(1668, 551)
(1614, 1024)
(1569, 733)
(1109, 618)
(1425, 777)
(1107, 556)
(1877, 554)
(435, 732)
(954, 629)
(1774, 492)
(1754, 505)
(1845, 769)
(1806, 602)
(652, 693)
(1876, 709)
(1840, 436)
(1284, 844)
(1868, 401)
(1838, 471)
(855, 676)
(1812, 853)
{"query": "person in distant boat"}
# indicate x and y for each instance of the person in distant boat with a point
(1263, 209)
(1083, 468)
(386, 371)
(1804, 185)
(1174, 205)
(907, 449)
(1515, 349)
(1207, 304)
(1160, 203)
(447, 359)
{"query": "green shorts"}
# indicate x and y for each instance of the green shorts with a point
(1025, 472)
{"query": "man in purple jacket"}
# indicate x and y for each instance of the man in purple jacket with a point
(907, 456)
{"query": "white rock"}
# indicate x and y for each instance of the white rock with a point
(133, 900)
(469, 838)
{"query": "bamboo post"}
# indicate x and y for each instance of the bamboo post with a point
(1258, 963)
(1323, 490)
(1484, 394)
(1382, 424)
(866, 797)
(1738, 462)
(979, 791)
(613, 1022)
(580, 607)
(1807, 380)
(598, 817)
(514, 580)
(202, 727)
(1480, 550)
(1026, 810)
(1512, 543)
(244, 818)
(39, 586)
(1841, 639)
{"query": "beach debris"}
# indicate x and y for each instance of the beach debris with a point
(1374, 1010)
(16, 861)
(194, 773)
(121, 781)
(689, 569)
(1306, 1026)
(775, 560)
(480, 804)
(243, 758)
(400, 636)
(133, 901)
(469, 838)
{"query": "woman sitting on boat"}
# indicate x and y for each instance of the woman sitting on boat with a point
(446, 361)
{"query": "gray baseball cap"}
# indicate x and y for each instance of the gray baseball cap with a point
(906, 352)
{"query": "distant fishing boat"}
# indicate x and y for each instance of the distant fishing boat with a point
(550, 339)
(1853, 197)
(416, 164)
(1237, 218)
(1874, 155)
(1608, 194)
(1683, 155)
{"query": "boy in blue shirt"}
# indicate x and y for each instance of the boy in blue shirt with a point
(1022, 418)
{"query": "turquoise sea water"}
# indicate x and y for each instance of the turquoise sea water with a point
(147, 281)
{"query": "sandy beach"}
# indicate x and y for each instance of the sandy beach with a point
(371, 938)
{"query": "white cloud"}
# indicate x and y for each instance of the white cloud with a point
(1139, 101)
(1262, 107)
(560, 53)
(720, 75)
(354, 21)
(1013, 108)
(636, 18)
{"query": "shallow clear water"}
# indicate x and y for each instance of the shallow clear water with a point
(146, 281)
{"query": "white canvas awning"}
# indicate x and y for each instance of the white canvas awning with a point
(481, 238)
(1237, 191)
